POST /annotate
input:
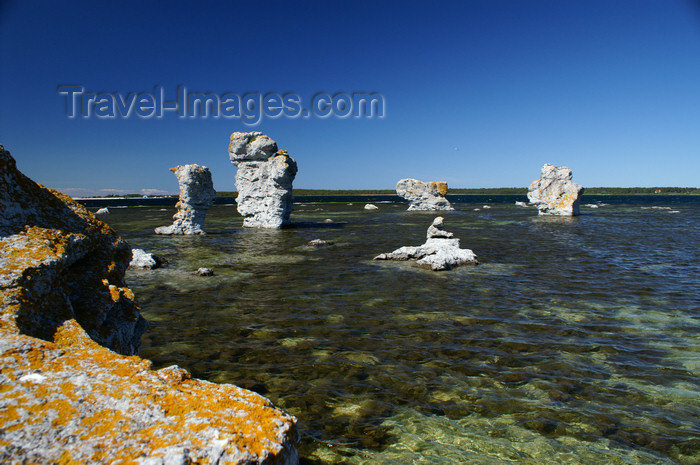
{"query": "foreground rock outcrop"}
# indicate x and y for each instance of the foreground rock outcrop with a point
(66, 315)
(440, 252)
(196, 197)
(263, 180)
(554, 193)
(424, 196)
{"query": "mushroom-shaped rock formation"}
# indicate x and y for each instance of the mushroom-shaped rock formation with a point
(424, 196)
(66, 315)
(554, 193)
(440, 252)
(263, 180)
(196, 197)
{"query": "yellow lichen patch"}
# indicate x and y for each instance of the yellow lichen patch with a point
(72, 400)
(566, 200)
(439, 186)
(174, 168)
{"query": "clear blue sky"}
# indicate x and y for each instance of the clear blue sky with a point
(478, 93)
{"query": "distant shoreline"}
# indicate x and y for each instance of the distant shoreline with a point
(470, 191)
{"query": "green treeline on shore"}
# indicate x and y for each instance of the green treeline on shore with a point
(470, 191)
(496, 191)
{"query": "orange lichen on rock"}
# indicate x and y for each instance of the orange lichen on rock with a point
(65, 397)
(423, 195)
(439, 186)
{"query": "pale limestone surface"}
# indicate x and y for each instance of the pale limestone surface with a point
(424, 196)
(197, 195)
(440, 251)
(263, 180)
(142, 259)
(554, 193)
(66, 315)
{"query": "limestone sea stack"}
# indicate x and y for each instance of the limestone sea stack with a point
(554, 193)
(424, 196)
(263, 180)
(440, 252)
(196, 197)
(66, 315)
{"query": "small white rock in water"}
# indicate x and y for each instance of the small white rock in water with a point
(477, 209)
(439, 252)
(102, 211)
(318, 243)
(674, 211)
(591, 205)
(521, 204)
(204, 272)
(370, 206)
(486, 206)
(142, 259)
(328, 220)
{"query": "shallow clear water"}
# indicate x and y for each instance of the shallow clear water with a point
(574, 341)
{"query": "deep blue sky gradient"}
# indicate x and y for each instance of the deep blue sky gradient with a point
(478, 93)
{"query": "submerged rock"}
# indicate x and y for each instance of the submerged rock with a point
(424, 196)
(521, 204)
(263, 180)
(196, 197)
(439, 252)
(318, 243)
(142, 259)
(204, 272)
(554, 193)
(66, 315)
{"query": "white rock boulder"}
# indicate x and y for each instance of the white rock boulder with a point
(424, 196)
(371, 206)
(142, 259)
(263, 180)
(440, 252)
(554, 193)
(196, 197)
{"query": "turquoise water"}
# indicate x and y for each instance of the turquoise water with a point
(574, 341)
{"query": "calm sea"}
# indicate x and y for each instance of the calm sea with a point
(574, 341)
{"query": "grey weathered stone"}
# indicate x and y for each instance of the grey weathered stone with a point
(319, 243)
(66, 315)
(263, 180)
(440, 251)
(196, 197)
(204, 272)
(554, 193)
(142, 259)
(424, 196)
